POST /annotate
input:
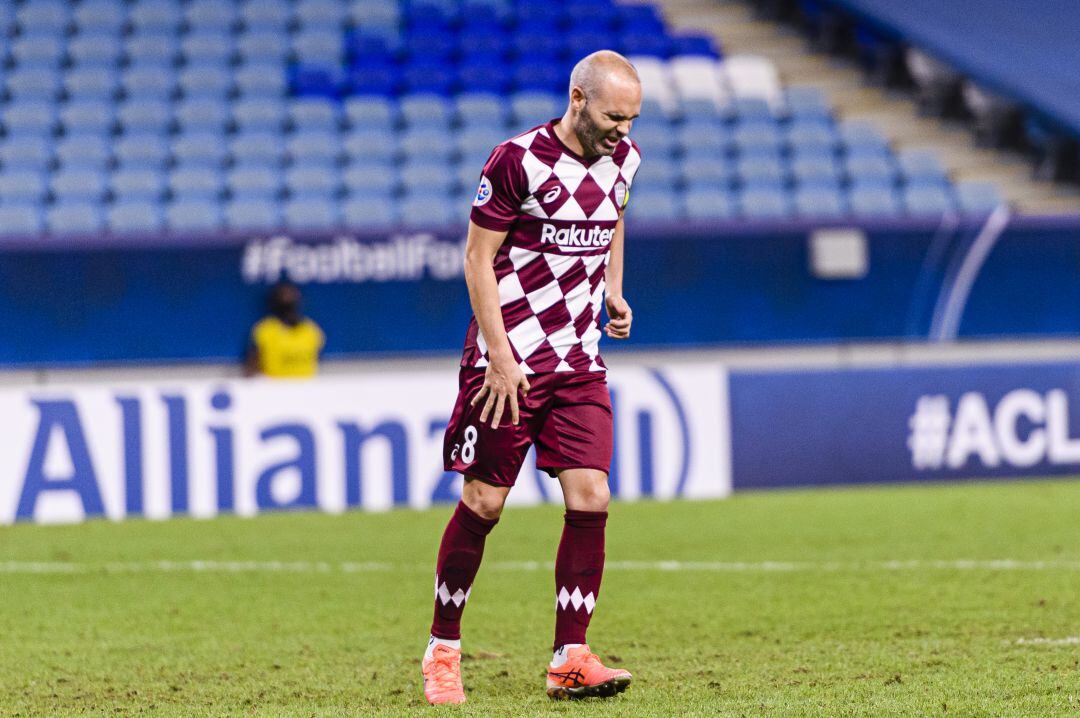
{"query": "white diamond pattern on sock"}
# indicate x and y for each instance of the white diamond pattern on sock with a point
(575, 599)
(442, 592)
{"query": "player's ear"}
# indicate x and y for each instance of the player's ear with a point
(577, 97)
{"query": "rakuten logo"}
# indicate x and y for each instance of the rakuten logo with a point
(574, 237)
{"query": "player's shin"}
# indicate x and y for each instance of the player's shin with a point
(460, 553)
(579, 567)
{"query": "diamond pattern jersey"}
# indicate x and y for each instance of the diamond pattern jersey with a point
(559, 211)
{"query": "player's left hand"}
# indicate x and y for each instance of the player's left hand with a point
(620, 317)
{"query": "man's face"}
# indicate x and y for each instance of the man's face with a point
(605, 119)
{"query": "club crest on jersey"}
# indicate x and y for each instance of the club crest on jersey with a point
(621, 195)
(483, 192)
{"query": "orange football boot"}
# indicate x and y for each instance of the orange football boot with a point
(584, 676)
(442, 676)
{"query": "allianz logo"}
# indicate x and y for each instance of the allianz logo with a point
(574, 236)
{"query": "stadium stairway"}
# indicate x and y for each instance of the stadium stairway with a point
(895, 115)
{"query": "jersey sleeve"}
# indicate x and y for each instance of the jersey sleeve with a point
(503, 188)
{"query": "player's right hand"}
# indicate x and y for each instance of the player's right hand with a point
(502, 380)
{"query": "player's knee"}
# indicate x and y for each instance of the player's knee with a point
(593, 495)
(484, 500)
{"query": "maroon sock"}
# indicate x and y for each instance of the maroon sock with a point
(460, 552)
(579, 567)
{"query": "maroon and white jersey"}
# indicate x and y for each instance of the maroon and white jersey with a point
(559, 211)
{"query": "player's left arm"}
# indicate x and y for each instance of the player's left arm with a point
(619, 314)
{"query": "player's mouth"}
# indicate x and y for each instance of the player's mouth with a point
(611, 142)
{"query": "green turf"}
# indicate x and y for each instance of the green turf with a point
(840, 633)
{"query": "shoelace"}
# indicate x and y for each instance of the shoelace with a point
(443, 673)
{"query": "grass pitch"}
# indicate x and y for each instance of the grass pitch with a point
(916, 601)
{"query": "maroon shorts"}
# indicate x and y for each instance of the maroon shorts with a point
(567, 415)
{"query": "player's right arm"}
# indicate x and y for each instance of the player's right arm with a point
(503, 377)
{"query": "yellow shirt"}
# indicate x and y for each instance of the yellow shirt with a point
(286, 351)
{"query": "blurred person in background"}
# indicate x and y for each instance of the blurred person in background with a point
(284, 344)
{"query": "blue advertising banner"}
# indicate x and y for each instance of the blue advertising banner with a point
(889, 425)
(195, 299)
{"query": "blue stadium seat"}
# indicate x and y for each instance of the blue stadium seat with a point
(655, 205)
(259, 114)
(705, 172)
(261, 79)
(149, 81)
(87, 150)
(317, 145)
(329, 14)
(815, 170)
(202, 114)
(255, 180)
(819, 201)
(977, 198)
(159, 49)
(856, 136)
(870, 201)
(365, 178)
(271, 15)
(319, 46)
(314, 113)
(135, 216)
(535, 108)
(156, 15)
(22, 218)
(199, 148)
(752, 110)
(656, 139)
(202, 15)
(33, 152)
(104, 16)
(197, 181)
(753, 137)
(657, 175)
(371, 144)
(370, 113)
(88, 116)
(312, 212)
(764, 169)
(208, 47)
(253, 214)
(425, 110)
(263, 146)
(483, 73)
(871, 168)
(703, 138)
(764, 202)
(420, 211)
(310, 178)
(427, 176)
(198, 214)
(33, 83)
(370, 212)
(921, 166)
(30, 116)
(82, 183)
(22, 185)
(426, 144)
(75, 218)
(468, 177)
(473, 142)
(708, 203)
(262, 45)
(137, 183)
(209, 81)
(927, 200)
(40, 49)
(481, 110)
(142, 149)
(43, 15)
(811, 134)
(95, 50)
(315, 80)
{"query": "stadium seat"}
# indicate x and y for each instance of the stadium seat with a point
(425, 176)
(43, 15)
(870, 201)
(22, 185)
(33, 152)
(313, 179)
(921, 166)
(426, 144)
(267, 15)
(105, 16)
(137, 183)
(139, 115)
(75, 218)
(33, 83)
(259, 113)
(652, 205)
(819, 201)
(194, 114)
(311, 212)
(100, 50)
(698, 78)
(751, 170)
(199, 148)
(708, 204)
(363, 178)
(197, 181)
(317, 145)
(371, 145)
(196, 214)
(210, 81)
(90, 150)
(202, 15)
(923, 200)
(83, 116)
(30, 116)
(534, 108)
(262, 45)
(807, 103)
(261, 80)
(370, 113)
(135, 216)
(762, 202)
(141, 149)
(255, 180)
(314, 113)
(421, 212)
(253, 214)
(78, 183)
(41, 49)
(152, 49)
(155, 15)
(21, 219)
(754, 76)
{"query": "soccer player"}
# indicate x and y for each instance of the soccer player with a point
(544, 251)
